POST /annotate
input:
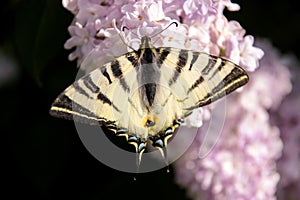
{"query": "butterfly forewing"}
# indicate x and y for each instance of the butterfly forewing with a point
(201, 78)
(94, 98)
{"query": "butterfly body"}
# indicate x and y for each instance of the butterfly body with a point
(145, 94)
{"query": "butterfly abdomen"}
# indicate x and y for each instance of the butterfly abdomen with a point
(148, 74)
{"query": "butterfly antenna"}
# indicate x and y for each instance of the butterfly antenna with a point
(120, 35)
(125, 27)
(176, 24)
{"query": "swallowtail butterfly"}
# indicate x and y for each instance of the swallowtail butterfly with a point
(147, 93)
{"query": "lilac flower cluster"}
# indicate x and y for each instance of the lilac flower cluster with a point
(244, 163)
(202, 26)
(287, 117)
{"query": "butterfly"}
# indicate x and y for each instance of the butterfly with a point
(146, 94)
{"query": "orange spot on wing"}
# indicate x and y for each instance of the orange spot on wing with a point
(145, 119)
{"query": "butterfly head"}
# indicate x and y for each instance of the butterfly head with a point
(146, 42)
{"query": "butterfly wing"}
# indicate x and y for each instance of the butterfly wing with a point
(109, 95)
(99, 97)
(197, 79)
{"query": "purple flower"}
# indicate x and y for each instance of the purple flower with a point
(71, 5)
(249, 55)
(205, 28)
(81, 37)
(243, 165)
(260, 92)
(228, 4)
(198, 10)
(229, 38)
(287, 117)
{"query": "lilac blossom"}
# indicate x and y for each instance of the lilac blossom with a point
(287, 117)
(288, 166)
(239, 167)
(203, 26)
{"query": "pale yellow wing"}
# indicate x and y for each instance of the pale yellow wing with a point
(99, 97)
(197, 79)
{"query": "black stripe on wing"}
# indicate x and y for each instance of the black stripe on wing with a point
(195, 84)
(132, 57)
(218, 68)
(210, 65)
(194, 59)
(89, 83)
(180, 64)
(102, 97)
(73, 111)
(235, 79)
(107, 76)
(162, 55)
(80, 90)
(117, 72)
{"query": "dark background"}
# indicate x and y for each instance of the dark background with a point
(43, 157)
